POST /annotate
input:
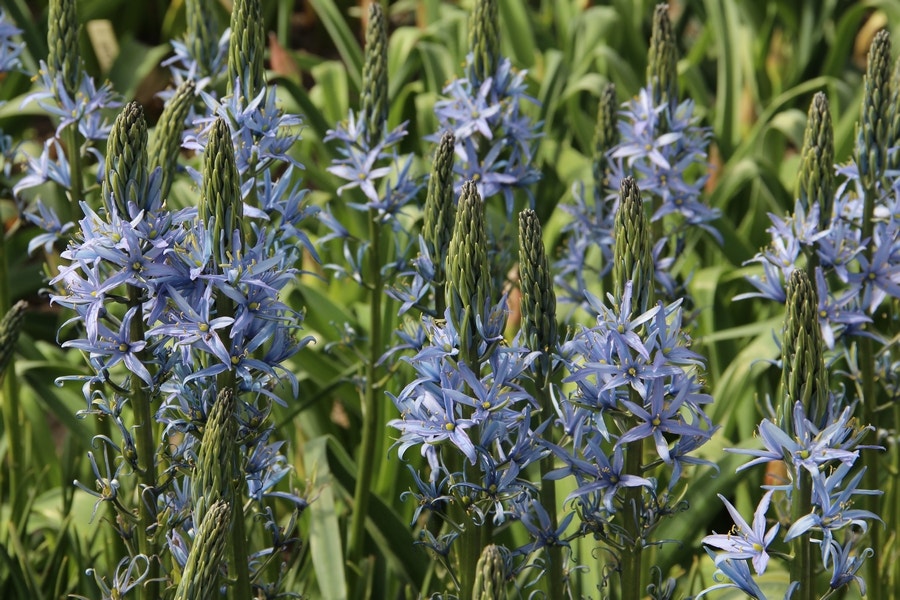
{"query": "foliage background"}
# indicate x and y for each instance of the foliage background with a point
(751, 67)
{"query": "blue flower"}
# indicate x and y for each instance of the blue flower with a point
(846, 561)
(745, 541)
(111, 348)
(809, 448)
(662, 416)
(9, 48)
(596, 473)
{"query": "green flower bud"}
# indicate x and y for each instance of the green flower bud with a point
(64, 57)
(632, 254)
(490, 575)
(125, 177)
(10, 327)
(606, 136)
(221, 201)
(247, 48)
(202, 34)
(200, 579)
(165, 146)
(662, 66)
(872, 130)
(439, 207)
(468, 273)
(484, 39)
(803, 375)
(373, 102)
(538, 303)
(212, 478)
(894, 114)
(816, 181)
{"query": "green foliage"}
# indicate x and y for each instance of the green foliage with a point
(751, 67)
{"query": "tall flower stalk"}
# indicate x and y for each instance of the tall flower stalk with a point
(538, 313)
(871, 154)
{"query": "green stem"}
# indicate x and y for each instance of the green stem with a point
(10, 398)
(631, 588)
(554, 575)
(239, 558)
(74, 158)
(871, 461)
(371, 407)
(895, 584)
(801, 566)
(146, 458)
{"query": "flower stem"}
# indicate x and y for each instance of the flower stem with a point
(10, 396)
(554, 575)
(631, 588)
(146, 456)
(874, 573)
(74, 158)
(371, 407)
(801, 566)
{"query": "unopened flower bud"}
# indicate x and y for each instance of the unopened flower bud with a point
(64, 57)
(538, 303)
(10, 327)
(490, 575)
(484, 39)
(606, 136)
(125, 177)
(374, 98)
(872, 130)
(633, 255)
(816, 181)
(165, 145)
(246, 49)
(221, 205)
(468, 271)
(662, 71)
(803, 375)
(439, 207)
(200, 579)
(212, 476)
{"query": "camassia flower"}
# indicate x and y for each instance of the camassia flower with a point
(745, 541)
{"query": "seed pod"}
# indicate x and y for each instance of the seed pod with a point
(662, 64)
(538, 304)
(165, 146)
(10, 327)
(212, 478)
(468, 271)
(606, 136)
(484, 40)
(803, 375)
(125, 177)
(490, 575)
(816, 181)
(246, 49)
(64, 57)
(632, 255)
(872, 130)
(200, 579)
(221, 206)
(373, 102)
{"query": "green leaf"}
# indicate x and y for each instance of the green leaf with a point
(343, 38)
(324, 531)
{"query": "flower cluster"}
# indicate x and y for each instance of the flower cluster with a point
(660, 144)
(825, 456)
(495, 138)
(635, 379)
